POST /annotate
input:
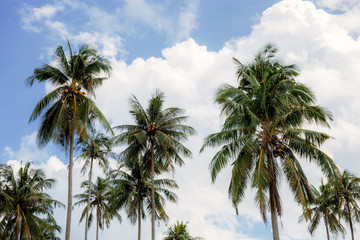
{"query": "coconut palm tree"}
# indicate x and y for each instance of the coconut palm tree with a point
(66, 111)
(132, 190)
(96, 148)
(157, 132)
(50, 230)
(324, 207)
(179, 232)
(99, 201)
(24, 202)
(263, 134)
(347, 187)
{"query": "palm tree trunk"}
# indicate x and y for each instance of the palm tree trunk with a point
(139, 221)
(88, 200)
(69, 205)
(17, 228)
(152, 192)
(327, 228)
(272, 196)
(274, 222)
(97, 223)
(350, 221)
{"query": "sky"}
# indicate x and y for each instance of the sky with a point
(184, 48)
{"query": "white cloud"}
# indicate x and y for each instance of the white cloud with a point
(128, 18)
(188, 19)
(338, 4)
(28, 151)
(32, 15)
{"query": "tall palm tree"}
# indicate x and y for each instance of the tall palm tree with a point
(67, 110)
(99, 201)
(24, 202)
(179, 232)
(263, 134)
(157, 132)
(324, 207)
(132, 190)
(96, 148)
(347, 187)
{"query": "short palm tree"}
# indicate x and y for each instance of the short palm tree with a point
(96, 148)
(99, 201)
(50, 230)
(263, 134)
(132, 190)
(179, 232)
(324, 207)
(24, 202)
(157, 132)
(347, 187)
(67, 110)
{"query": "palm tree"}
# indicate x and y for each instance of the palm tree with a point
(99, 201)
(67, 110)
(24, 202)
(347, 187)
(96, 148)
(263, 136)
(179, 232)
(50, 230)
(132, 190)
(324, 207)
(157, 132)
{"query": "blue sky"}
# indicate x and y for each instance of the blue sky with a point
(185, 49)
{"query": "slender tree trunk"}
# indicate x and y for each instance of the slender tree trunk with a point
(97, 223)
(88, 200)
(327, 227)
(272, 195)
(139, 221)
(274, 222)
(350, 221)
(152, 192)
(17, 229)
(69, 204)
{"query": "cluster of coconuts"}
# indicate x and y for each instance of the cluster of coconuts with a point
(152, 128)
(279, 150)
(68, 91)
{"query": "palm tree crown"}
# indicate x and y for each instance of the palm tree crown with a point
(262, 135)
(347, 187)
(324, 207)
(132, 190)
(23, 202)
(97, 148)
(179, 232)
(99, 201)
(158, 133)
